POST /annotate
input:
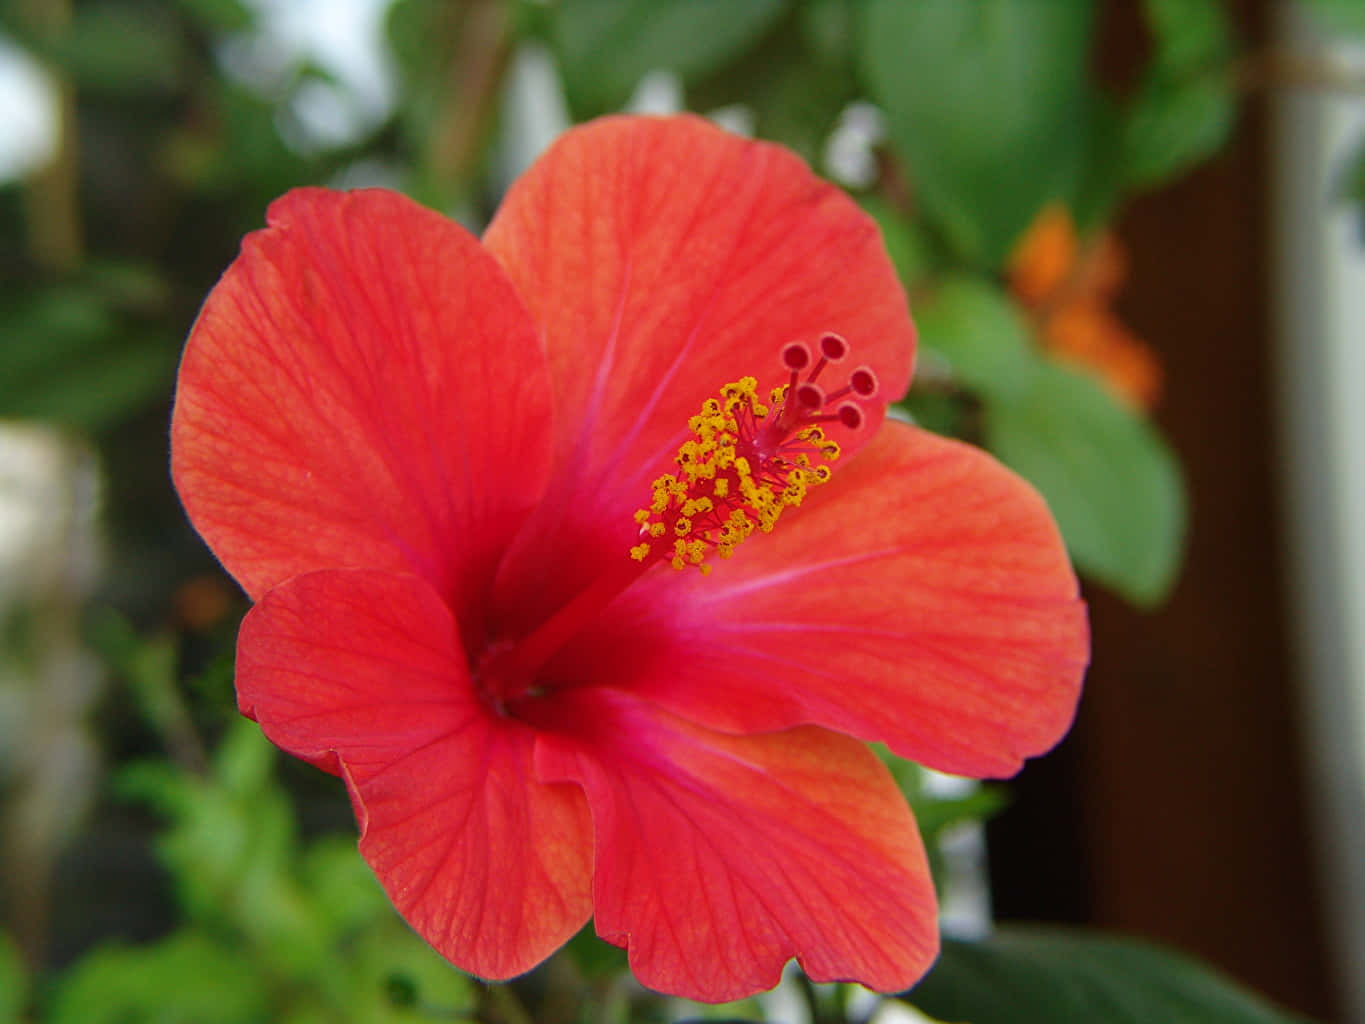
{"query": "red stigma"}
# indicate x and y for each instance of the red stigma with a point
(809, 396)
(833, 348)
(796, 357)
(863, 382)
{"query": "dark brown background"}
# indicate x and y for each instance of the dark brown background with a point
(1176, 808)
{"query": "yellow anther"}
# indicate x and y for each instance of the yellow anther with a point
(735, 476)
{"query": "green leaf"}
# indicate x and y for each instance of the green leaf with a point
(934, 813)
(911, 252)
(185, 979)
(1054, 976)
(13, 982)
(1095, 190)
(342, 886)
(951, 415)
(605, 47)
(231, 848)
(392, 976)
(1174, 126)
(828, 27)
(69, 360)
(982, 101)
(795, 82)
(595, 957)
(1184, 110)
(1110, 480)
(981, 335)
(244, 761)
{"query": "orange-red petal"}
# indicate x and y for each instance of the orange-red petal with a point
(362, 672)
(719, 858)
(922, 598)
(660, 259)
(663, 257)
(362, 388)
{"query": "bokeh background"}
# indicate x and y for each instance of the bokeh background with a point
(1131, 235)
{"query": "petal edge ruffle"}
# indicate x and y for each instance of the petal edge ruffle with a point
(922, 598)
(362, 672)
(719, 858)
(660, 259)
(351, 394)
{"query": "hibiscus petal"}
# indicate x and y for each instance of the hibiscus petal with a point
(922, 598)
(362, 672)
(719, 858)
(362, 388)
(661, 259)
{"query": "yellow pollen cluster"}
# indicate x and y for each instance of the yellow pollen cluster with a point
(728, 483)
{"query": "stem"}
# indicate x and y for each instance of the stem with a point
(1285, 69)
(175, 723)
(55, 236)
(481, 54)
(500, 1005)
(811, 995)
(893, 183)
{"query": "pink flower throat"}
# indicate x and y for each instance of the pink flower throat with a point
(745, 462)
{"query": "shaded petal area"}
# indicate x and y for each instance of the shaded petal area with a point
(361, 673)
(922, 598)
(719, 858)
(362, 388)
(661, 259)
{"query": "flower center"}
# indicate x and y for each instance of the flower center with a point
(747, 461)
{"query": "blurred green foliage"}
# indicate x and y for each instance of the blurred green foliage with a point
(13, 982)
(990, 113)
(692, 38)
(982, 101)
(1111, 481)
(1184, 108)
(274, 930)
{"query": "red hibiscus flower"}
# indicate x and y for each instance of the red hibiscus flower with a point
(456, 477)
